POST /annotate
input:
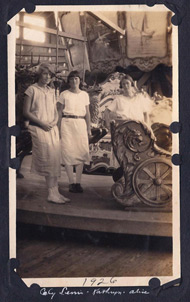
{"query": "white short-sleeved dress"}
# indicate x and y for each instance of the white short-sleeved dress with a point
(131, 108)
(74, 137)
(46, 157)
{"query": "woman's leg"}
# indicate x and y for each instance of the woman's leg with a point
(69, 171)
(56, 191)
(52, 196)
(70, 174)
(50, 181)
(53, 193)
(79, 169)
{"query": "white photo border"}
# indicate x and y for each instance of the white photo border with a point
(78, 282)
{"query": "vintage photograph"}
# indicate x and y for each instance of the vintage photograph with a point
(96, 191)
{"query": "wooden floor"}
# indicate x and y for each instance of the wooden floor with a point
(93, 210)
(88, 237)
(50, 252)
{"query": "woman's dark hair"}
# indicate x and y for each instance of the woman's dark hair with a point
(73, 74)
(127, 77)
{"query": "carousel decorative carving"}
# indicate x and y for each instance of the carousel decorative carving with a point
(147, 170)
(147, 64)
(148, 45)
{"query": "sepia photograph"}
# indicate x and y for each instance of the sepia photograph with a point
(94, 92)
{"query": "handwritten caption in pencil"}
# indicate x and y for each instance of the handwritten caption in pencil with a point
(65, 291)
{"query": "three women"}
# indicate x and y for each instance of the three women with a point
(71, 114)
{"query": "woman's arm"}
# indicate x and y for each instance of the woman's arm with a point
(87, 118)
(60, 108)
(56, 117)
(111, 112)
(145, 117)
(107, 118)
(146, 107)
(56, 113)
(31, 117)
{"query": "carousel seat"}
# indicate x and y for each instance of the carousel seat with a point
(145, 168)
(138, 157)
(97, 134)
(163, 136)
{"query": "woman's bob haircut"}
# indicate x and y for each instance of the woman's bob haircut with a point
(73, 74)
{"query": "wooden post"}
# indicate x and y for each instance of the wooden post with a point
(57, 40)
(21, 29)
(84, 44)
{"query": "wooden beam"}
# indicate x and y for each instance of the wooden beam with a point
(37, 54)
(130, 225)
(28, 62)
(51, 31)
(143, 79)
(108, 22)
(38, 44)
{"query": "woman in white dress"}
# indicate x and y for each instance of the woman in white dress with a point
(74, 124)
(40, 109)
(132, 104)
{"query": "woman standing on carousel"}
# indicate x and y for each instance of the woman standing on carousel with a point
(74, 124)
(40, 109)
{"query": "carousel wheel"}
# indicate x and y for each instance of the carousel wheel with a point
(152, 182)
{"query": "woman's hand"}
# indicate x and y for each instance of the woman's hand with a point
(46, 126)
(89, 132)
(54, 123)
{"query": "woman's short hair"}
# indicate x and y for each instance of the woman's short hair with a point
(73, 74)
(43, 67)
(127, 77)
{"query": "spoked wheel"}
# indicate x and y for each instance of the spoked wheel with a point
(152, 182)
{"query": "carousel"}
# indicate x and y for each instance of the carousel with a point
(128, 183)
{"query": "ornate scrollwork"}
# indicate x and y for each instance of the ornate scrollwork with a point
(135, 136)
(94, 108)
(122, 190)
(132, 139)
(146, 168)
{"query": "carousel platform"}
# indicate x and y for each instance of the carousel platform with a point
(93, 210)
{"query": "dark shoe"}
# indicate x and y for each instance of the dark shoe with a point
(19, 175)
(79, 189)
(72, 188)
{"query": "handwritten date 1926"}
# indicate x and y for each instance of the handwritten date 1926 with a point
(99, 281)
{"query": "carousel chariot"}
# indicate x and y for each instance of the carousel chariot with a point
(144, 176)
